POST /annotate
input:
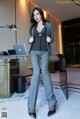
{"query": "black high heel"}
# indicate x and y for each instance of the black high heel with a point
(32, 114)
(51, 112)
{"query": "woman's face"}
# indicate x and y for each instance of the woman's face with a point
(37, 16)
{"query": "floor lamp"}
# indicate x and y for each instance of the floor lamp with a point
(11, 27)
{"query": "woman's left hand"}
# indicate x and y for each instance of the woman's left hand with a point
(48, 39)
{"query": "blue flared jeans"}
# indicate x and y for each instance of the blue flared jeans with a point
(36, 59)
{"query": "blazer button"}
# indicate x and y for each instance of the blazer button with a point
(39, 34)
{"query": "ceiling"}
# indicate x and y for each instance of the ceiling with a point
(61, 9)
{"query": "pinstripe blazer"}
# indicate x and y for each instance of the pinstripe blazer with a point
(50, 33)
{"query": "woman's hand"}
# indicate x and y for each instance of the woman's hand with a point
(48, 39)
(31, 40)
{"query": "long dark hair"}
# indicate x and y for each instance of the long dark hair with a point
(33, 22)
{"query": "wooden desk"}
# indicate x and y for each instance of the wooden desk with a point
(4, 79)
(9, 69)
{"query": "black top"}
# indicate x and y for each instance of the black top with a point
(39, 43)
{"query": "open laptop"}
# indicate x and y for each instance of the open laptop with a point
(20, 49)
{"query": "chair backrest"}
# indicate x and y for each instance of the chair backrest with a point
(28, 62)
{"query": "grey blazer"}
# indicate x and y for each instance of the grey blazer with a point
(50, 33)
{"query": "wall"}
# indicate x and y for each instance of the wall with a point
(56, 44)
(22, 21)
(7, 16)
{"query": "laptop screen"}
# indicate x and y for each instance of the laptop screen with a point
(11, 52)
(20, 49)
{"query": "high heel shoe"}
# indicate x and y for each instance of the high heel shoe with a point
(52, 111)
(32, 114)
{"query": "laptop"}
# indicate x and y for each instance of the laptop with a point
(11, 52)
(20, 49)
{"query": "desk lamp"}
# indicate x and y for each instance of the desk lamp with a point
(11, 27)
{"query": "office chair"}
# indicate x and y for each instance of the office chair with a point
(28, 66)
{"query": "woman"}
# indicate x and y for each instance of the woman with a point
(41, 36)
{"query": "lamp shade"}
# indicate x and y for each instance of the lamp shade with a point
(13, 27)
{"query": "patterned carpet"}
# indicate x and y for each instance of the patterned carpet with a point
(15, 107)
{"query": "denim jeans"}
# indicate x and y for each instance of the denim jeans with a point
(35, 80)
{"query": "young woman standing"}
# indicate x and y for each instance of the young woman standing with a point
(41, 36)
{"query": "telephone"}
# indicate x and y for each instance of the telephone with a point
(3, 53)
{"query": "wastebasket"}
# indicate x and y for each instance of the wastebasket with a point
(20, 84)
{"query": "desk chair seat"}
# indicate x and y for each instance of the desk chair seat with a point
(28, 66)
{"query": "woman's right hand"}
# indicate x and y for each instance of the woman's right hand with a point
(31, 39)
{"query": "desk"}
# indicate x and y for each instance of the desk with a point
(11, 56)
(4, 78)
(9, 69)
